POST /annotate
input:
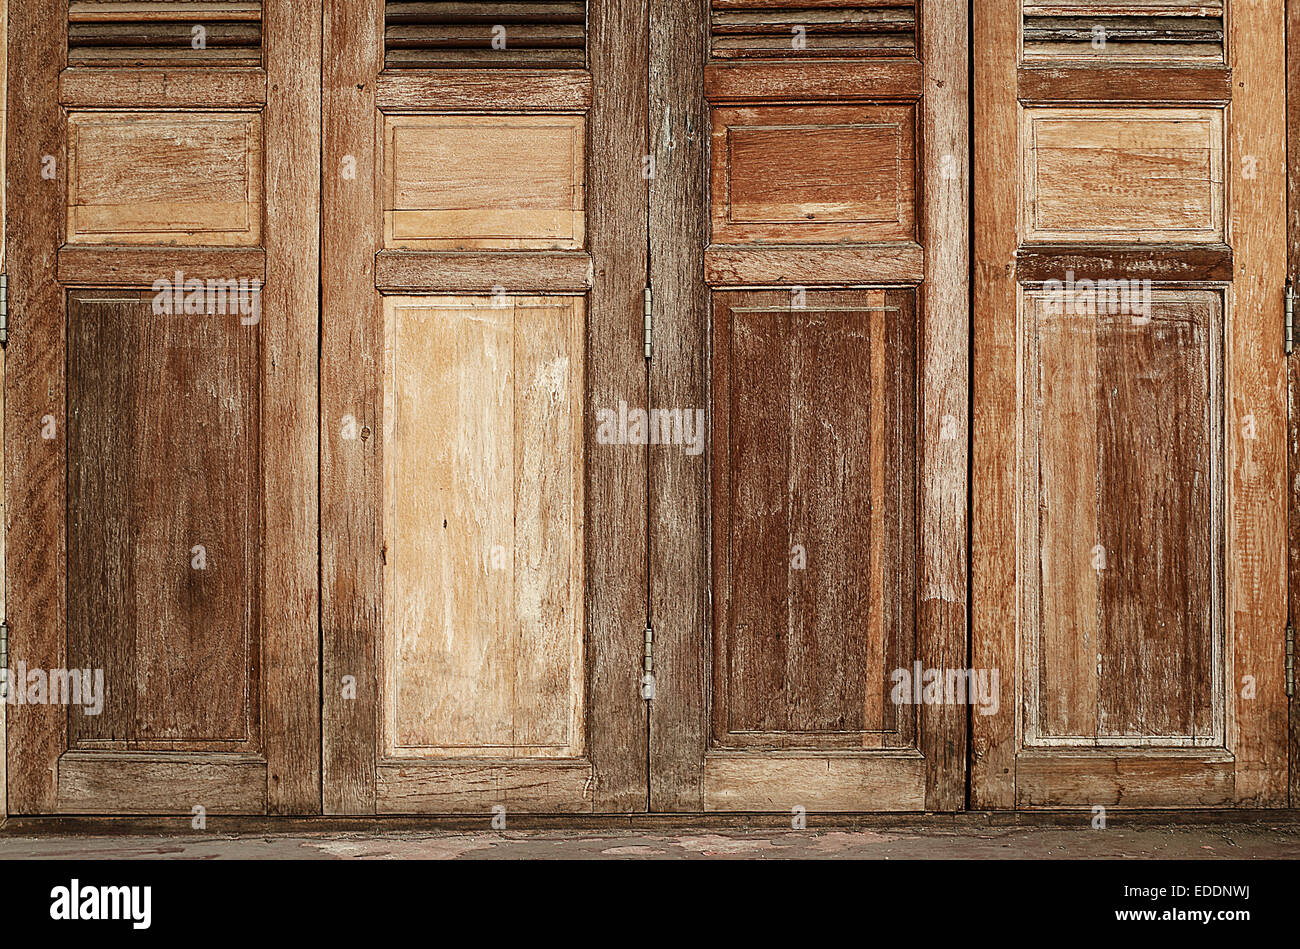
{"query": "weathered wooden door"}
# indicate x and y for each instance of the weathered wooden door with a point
(483, 542)
(160, 431)
(1130, 497)
(808, 259)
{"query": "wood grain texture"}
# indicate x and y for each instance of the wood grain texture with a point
(483, 585)
(1122, 646)
(290, 359)
(1042, 84)
(813, 174)
(4, 519)
(155, 178)
(813, 454)
(144, 783)
(511, 272)
(616, 488)
(1293, 370)
(116, 266)
(1257, 489)
(1209, 263)
(164, 89)
(993, 575)
(1127, 175)
(1125, 779)
(351, 380)
(825, 783)
(457, 182)
(811, 265)
(944, 384)
(163, 493)
(35, 363)
(459, 787)
(452, 90)
(678, 495)
(841, 81)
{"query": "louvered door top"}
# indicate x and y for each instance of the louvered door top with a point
(770, 29)
(1136, 31)
(164, 32)
(426, 33)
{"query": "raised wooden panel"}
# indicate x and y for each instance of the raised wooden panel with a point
(483, 501)
(163, 521)
(485, 33)
(1130, 31)
(776, 28)
(813, 450)
(483, 182)
(164, 178)
(1123, 175)
(164, 32)
(813, 174)
(1124, 496)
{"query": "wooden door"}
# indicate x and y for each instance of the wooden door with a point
(808, 260)
(160, 432)
(483, 271)
(1130, 501)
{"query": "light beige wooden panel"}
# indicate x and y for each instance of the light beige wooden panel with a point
(1123, 175)
(813, 174)
(483, 489)
(483, 181)
(165, 178)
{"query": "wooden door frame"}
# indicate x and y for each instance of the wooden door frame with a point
(612, 92)
(1293, 374)
(1254, 621)
(287, 90)
(680, 610)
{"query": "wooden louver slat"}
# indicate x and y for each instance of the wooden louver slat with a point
(461, 33)
(1141, 30)
(162, 32)
(764, 29)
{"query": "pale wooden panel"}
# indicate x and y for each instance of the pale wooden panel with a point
(483, 521)
(1134, 778)
(811, 265)
(483, 182)
(1123, 175)
(142, 783)
(162, 178)
(813, 174)
(538, 787)
(779, 781)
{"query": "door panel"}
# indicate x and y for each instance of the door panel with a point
(1129, 558)
(483, 554)
(834, 244)
(165, 268)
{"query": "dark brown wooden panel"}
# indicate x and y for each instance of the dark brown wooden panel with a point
(786, 81)
(162, 461)
(1169, 263)
(813, 456)
(1043, 83)
(1127, 530)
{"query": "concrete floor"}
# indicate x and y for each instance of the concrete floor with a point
(938, 837)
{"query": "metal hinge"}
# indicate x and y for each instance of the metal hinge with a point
(649, 666)
(649, 344)
(1290, 317)
(4, 646)
(1290, 660)
(4, 310)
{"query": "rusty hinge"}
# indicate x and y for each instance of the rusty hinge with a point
(1290, 317)
(648, 665)
(649, 344)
